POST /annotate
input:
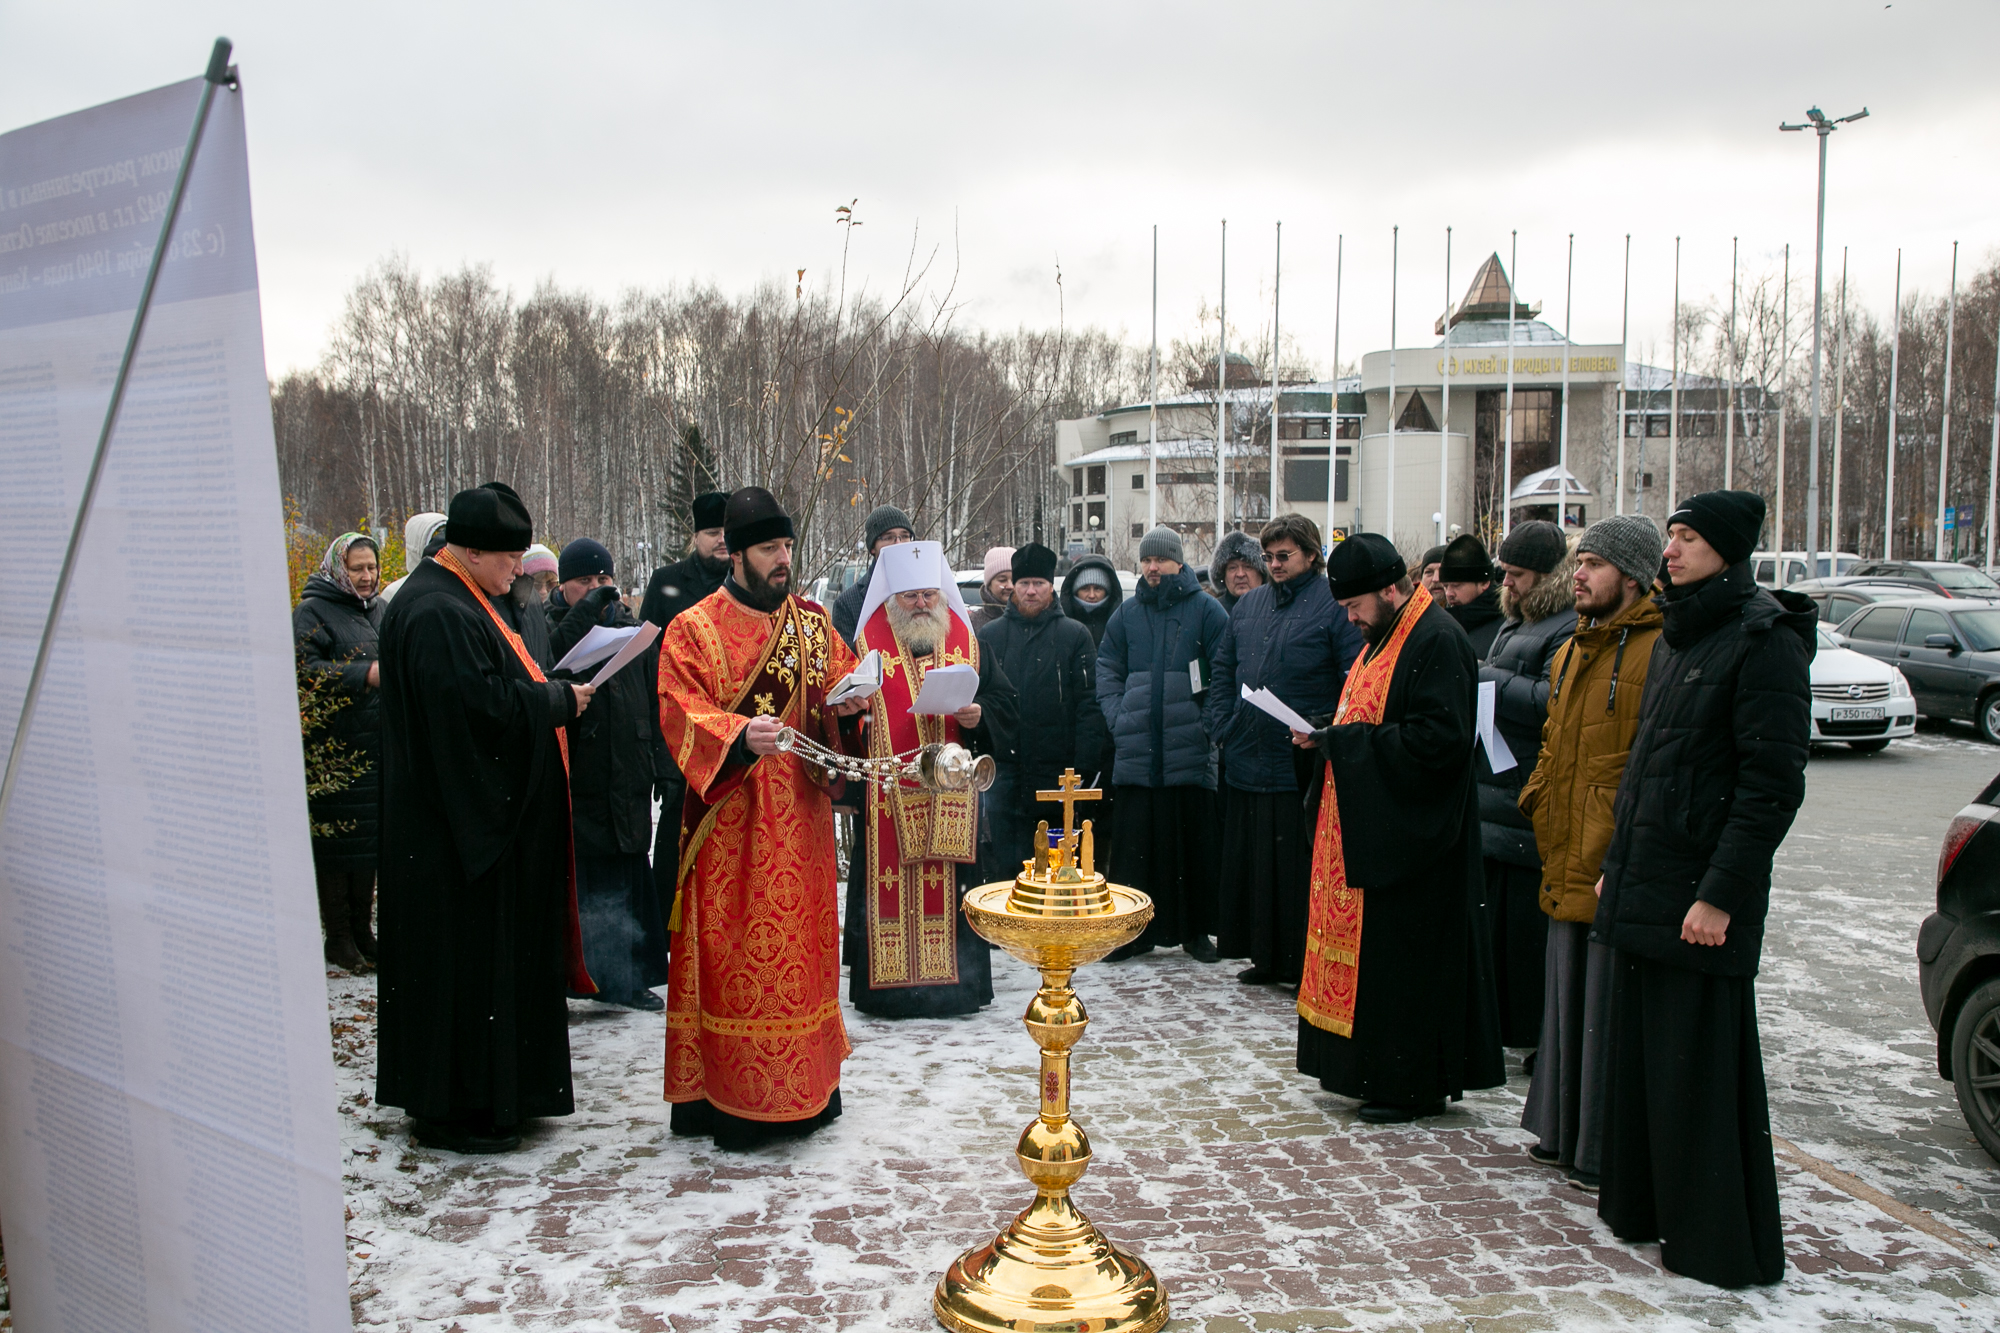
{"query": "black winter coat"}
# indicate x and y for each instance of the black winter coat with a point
(1146, 691)
(1092, 618)
(676, 587)
(1518, 665)
(615, 748)
(1715, 775)
(1480, 619)
(1293, 639)
(339, 635)
(846, 613)
(1053, 666)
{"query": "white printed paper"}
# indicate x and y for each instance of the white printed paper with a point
(1498, 757)
(860, 683)
(946, 689)
(636, 642)
(1276, 707)
(601, 642)
(1195, 682)
(169, 1142)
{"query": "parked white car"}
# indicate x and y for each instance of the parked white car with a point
(1857, 700)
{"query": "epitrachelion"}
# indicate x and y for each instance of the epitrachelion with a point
(169, 1152)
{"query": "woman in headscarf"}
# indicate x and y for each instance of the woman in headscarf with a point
(335, 627)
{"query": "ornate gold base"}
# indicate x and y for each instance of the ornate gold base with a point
(1050, 1271)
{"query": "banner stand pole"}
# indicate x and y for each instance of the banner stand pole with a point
(220, 72)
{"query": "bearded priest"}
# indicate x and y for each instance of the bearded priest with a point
(754, 1036)
(909, 952)
(1397, 1008)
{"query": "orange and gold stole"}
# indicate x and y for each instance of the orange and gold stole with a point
(1333, 920)
(914, 838)
(579, 976)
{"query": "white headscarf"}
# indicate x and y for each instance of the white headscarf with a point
(910, 567)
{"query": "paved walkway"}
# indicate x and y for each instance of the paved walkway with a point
(1262, 1202)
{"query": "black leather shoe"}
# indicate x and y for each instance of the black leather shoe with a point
(1542, 1155)
(452, 1136)
(1256, 976)
(1584, 1180)
(1202, 949)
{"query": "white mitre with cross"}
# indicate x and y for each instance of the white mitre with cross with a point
(911, 567)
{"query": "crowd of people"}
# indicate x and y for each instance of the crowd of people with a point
(1555, 775)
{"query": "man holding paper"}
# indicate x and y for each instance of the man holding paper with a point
(754, 1037)
(1396, 1007)
(909, 953)
(479, 934)
(1291, 640)
(615, 754)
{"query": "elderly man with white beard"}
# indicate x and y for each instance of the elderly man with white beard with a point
(909, 952)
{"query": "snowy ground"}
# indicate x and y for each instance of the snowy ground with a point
(1263, 1203)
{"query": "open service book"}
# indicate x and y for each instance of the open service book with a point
(860, 683)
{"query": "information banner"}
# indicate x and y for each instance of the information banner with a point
(169, 1152)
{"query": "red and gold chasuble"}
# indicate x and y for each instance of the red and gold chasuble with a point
(1333, 919)
(753, 989)
(578, 975)
(915, 839)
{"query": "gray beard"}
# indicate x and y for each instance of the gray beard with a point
(920, 631)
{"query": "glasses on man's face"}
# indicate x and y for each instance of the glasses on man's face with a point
(917, 599)
(1283, 557)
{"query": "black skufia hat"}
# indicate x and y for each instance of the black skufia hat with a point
(708, 509)
(1465, 561)
(753, 516)
(1364, 563)
(489, 518)
(1034, 561)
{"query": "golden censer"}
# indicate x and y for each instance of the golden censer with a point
(1051, 1271)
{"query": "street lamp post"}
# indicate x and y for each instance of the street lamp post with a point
(1818, 122)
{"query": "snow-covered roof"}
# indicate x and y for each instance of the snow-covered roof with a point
(1639, 375)
(1257, 396)
(1545, 483)
(1169, 451)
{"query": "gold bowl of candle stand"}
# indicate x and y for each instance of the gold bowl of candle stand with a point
(1050, 1270)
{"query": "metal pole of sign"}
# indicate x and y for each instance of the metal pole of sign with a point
(1839, 420)
(1562, 437)
(1444, 428)
(1333, 419)
(1729, 392)
(1674, 396)
(1507, 426)
(1624, 341)
(1785, 387)
(1993, 459)
(1395, 240)
(219, 73)
(1222, 398)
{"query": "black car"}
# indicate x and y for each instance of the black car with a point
(1948, 649)
(1958, 964)
(1944, 578)
(1839, 598)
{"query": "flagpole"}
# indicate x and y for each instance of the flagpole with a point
(1222, 397)
(1729, 394)
(1784, 387)
(1333, 421)
(1944, 433)
(1444, 433)
(1624, 342)
(1153, 399)
(1277, 277)
(1839, 421)
(1889, 461)
(1395, 241)
(1507, 427)
(1993, 459)
(1674, 395)
(1562, 433)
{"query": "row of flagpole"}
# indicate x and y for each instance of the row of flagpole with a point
(1442, 518)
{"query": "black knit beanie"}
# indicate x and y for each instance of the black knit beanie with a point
(1727, 520)
(1537, 544)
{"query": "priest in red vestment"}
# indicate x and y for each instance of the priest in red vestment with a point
(754, 1035)
(909, 952)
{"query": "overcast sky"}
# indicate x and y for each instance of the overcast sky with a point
(607, 145)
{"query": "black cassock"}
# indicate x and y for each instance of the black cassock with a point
(477, 910)
(1425, 1022)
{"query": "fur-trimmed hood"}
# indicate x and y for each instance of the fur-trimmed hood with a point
(1553, 593)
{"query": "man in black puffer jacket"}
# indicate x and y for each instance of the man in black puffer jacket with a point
(1053, 663)
(1540, 610)
(1713, 781)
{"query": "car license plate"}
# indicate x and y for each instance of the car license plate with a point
(1857, 715)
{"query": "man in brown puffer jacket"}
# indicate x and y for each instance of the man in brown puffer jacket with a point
(1596, 680)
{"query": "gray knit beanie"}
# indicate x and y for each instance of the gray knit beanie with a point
(1631, 542)
(880, 520)
(1162, 543)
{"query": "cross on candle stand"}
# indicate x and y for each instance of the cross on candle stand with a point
(1069, 790)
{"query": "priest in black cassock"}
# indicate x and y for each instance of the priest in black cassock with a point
(1396, 1007)
(478, 924)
